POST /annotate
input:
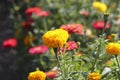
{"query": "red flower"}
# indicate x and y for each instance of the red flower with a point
(38, 50)
(51, 74)
(33, 10)
(37, 11)
(11, 42)
(100, 25)
(71, 45)
(73, 28)
(28, 24)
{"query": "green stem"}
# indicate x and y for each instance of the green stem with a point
(45, 25)
(58, 60)
(97, 57)
(104, 27)
(117, 65)
(105, 21)
(41, 65)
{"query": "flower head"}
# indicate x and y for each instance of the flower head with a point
(71, 45)
(94, 76)
(33, 10)
(99, 6)
(73, 28)
(37, 75)
(55, 38)
(38, 50)
(11, 42)
(37, 11)
(100, 25)
(84, 13)
(51, 74)
(113, 48)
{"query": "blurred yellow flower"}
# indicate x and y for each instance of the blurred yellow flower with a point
(94, 76)
(99, 6)
(113, 48)
(37, 75)
(55, 38)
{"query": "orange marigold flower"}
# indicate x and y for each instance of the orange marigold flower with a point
(73, 28)
(113, 48)
(55, 38)
(94, 76)
(37, 75)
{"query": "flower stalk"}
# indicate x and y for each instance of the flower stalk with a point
(58, 60)
(118, 66)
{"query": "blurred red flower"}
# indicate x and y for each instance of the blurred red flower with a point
(51, 74)
(37, 11)
(100, 25)
(28, 24)
(71, 45)
(73, 28)
(38, 50)
(33, 10)
(11, 42)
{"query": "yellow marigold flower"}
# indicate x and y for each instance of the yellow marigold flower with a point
(55, 38)
(99, 6)
(113, 48)
(96, 4)
(37, 75)
(94, 76)
(102, 7)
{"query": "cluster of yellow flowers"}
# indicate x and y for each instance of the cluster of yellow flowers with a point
(37, 75)
(55, 38)
(100, 6)
(94, 76)
(113, 48)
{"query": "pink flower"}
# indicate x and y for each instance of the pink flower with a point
(38, 50)
(71, 45)
(33, 10)
(73, 28)
(11, 42)
(84, 13)
(52, 74)
(44, 13)
(100, 25)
